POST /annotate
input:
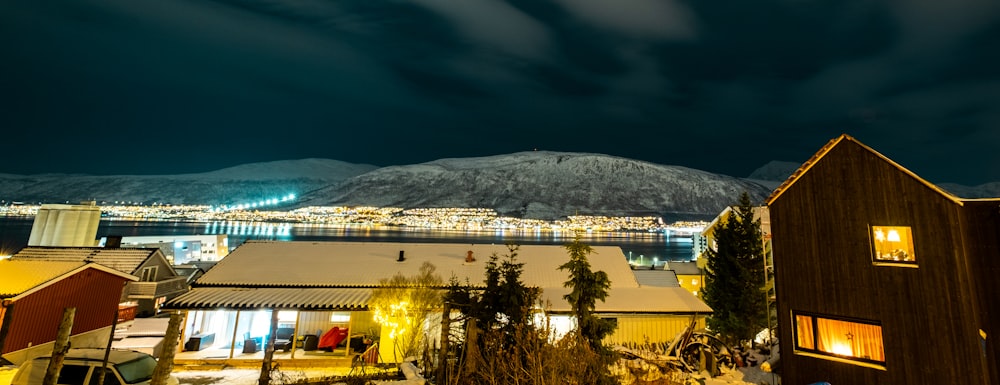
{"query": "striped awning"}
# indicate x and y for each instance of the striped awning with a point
(273, 298)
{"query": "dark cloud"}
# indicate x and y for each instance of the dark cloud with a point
(145, 87)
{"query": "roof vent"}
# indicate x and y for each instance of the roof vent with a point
(401, 257)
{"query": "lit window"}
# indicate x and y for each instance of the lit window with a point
(893, 244)
(851, 340)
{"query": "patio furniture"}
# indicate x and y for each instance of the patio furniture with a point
(199, 341)
(308, 342)
(249, 344)
(283, 338)
(370, 360)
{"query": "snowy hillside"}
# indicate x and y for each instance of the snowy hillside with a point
(248, 182)
(543, 185)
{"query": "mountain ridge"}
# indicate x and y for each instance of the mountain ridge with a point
(531, 184)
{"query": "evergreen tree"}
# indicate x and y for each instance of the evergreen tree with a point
(505, 302)
(588, 287)
(735, 282)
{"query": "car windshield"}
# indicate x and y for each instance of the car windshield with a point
(137, 370)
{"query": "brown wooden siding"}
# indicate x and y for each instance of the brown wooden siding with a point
(983, 243)
(35, 318)
(823, 258)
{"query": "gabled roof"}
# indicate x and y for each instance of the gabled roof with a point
(21, 277)
(126, 260)
(365, 264)
(830, 146)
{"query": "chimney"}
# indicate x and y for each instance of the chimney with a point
(113, 242)
(401, 257)
(469, 257)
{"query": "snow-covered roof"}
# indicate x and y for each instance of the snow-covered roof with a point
(21, 277)
(340, 275)
(125, 260)
(644, 300)
(16, 277)
(365, 264)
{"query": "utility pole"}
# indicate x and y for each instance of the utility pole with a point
(60, 347)
(107, 348)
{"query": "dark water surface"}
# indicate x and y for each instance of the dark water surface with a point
(649, 246)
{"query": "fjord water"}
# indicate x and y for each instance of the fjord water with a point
(643, 247)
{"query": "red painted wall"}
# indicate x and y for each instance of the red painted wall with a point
(35, 318)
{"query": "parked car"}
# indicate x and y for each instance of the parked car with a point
(83, 367)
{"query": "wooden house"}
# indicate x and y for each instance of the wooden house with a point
(33, 295)
(157, 283)
(881, 276)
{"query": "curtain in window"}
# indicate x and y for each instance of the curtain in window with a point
(804, 332)
(850, 339)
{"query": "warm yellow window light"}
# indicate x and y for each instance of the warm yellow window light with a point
(839, 338)
(892, 244)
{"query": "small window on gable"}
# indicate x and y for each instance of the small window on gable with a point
(893, 244)
(848, 340)
(148, 274)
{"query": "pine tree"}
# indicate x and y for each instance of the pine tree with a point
(505, 302)
(735, 282)
(588, 287)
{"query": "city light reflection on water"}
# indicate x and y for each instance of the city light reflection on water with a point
(649, 245)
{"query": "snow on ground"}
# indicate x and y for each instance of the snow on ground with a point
(246, 376)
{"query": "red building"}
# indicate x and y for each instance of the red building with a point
(881, 276)
(33, 295)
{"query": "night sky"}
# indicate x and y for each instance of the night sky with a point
(182, 86)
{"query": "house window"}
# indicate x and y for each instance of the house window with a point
(149, 274)
(893, 244)
(849, 340)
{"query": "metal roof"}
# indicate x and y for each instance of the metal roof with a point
(684, 268)
(622, 300)
(634, 300)
(280, 298)
(341, 275)
(657, 278)
(17, 277)
(125, 260)
(365, 264)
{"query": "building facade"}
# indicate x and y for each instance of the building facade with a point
(882, 277)
(33, 295)
(158, 282)
(318, 286)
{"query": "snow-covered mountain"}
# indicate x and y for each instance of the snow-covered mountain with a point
(243, 183)
(529, 184)
(544, 185)
(773, 173)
